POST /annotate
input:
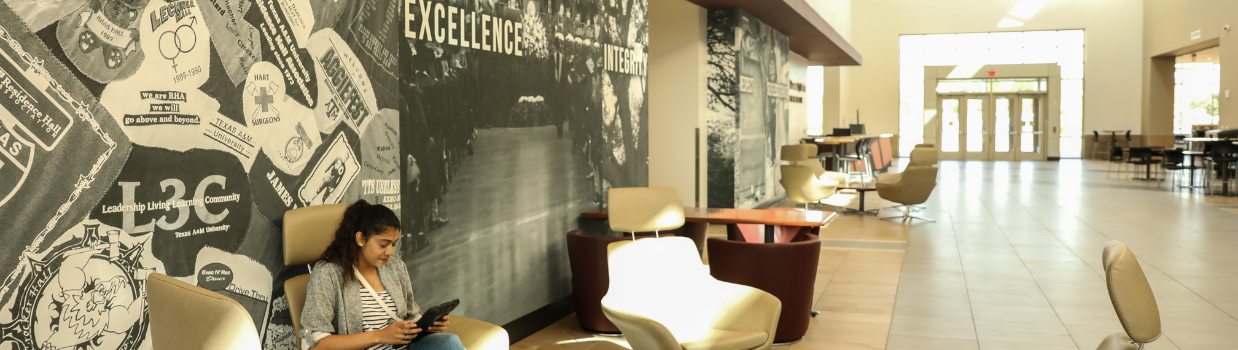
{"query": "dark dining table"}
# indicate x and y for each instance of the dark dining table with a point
(780, 224)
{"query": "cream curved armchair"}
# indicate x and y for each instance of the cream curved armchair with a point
(912, 186)
(803, 187)
(923, 156)
(185, 316)
(1132, 300)
(706, 314)
(307, 233)
(806, 155)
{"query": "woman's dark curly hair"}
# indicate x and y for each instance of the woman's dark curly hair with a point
(370, 220)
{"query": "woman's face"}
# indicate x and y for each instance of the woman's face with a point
(379, 248)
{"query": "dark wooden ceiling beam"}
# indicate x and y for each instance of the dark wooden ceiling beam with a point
(809, 34)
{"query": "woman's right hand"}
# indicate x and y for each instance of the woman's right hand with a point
(398, 333)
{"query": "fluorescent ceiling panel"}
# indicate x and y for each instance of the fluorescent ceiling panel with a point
(1006, 22)
(964, 71)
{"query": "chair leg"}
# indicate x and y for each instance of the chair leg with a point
(908, 215)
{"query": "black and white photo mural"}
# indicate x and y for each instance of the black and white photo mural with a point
(519, 115)
(170, 136)
(747, 115)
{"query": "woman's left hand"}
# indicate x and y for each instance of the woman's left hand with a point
(441, 326)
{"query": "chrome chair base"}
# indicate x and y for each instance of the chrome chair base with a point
(907, 216)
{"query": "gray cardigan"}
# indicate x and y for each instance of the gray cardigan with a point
(332, 308)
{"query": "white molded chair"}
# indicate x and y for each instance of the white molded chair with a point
(706, 314)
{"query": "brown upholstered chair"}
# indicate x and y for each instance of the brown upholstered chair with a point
(591, 279)
(307, 233)
(1132, 300)
(185, 316)
(786, 270)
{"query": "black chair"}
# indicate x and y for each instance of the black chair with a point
(1142, 156)
(1219, 160)
(1173, 160)
(846, 163)
(1116, 156)
(1127, 140)
(1098, 143)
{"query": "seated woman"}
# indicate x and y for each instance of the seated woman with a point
(360, 298)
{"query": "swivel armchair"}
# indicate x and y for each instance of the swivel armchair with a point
(803, 187)
(911, 187)
(591, 278)
(923, 155)
(307, 233)
(1132, 300)
(185, 316)
(712, 315)
(806, 155)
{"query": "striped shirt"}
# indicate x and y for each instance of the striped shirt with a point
(374, 317)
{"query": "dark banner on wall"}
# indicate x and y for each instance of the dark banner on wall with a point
(748, 82)
(518, 116)
(170, 136)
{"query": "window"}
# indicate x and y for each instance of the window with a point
(815, 90)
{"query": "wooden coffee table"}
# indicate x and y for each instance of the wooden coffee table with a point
(697, 220)
(861, 189)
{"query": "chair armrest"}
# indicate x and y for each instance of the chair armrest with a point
(889, 178)
(478, 335)
(744, 308)
(641, 332)
(834, 176)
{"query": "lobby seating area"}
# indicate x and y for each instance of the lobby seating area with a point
(619, 175)
(1021, 257)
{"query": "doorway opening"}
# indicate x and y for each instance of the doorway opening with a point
(992, 119)
(1197, 84)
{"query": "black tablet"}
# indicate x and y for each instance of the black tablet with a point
(435, 314)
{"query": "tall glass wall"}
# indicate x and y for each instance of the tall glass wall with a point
(1063, 47)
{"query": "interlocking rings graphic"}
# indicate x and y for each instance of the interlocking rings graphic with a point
(173, 43)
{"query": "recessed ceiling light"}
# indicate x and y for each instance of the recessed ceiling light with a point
(964, 71)
(1025, 9)
(1006, 22)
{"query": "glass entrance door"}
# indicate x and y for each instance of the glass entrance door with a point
(964, 126)
(991, 126)
(1029, 119)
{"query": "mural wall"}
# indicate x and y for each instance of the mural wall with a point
(748, 112)
(156, 136)
(144, 136)
(519, 116)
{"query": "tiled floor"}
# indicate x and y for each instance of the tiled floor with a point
(1013, 262)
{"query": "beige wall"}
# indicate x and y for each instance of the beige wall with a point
(677, 74)
(838, 14)
(835, 12)
(1112, 70)
(1167, 28)
(797, 117)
